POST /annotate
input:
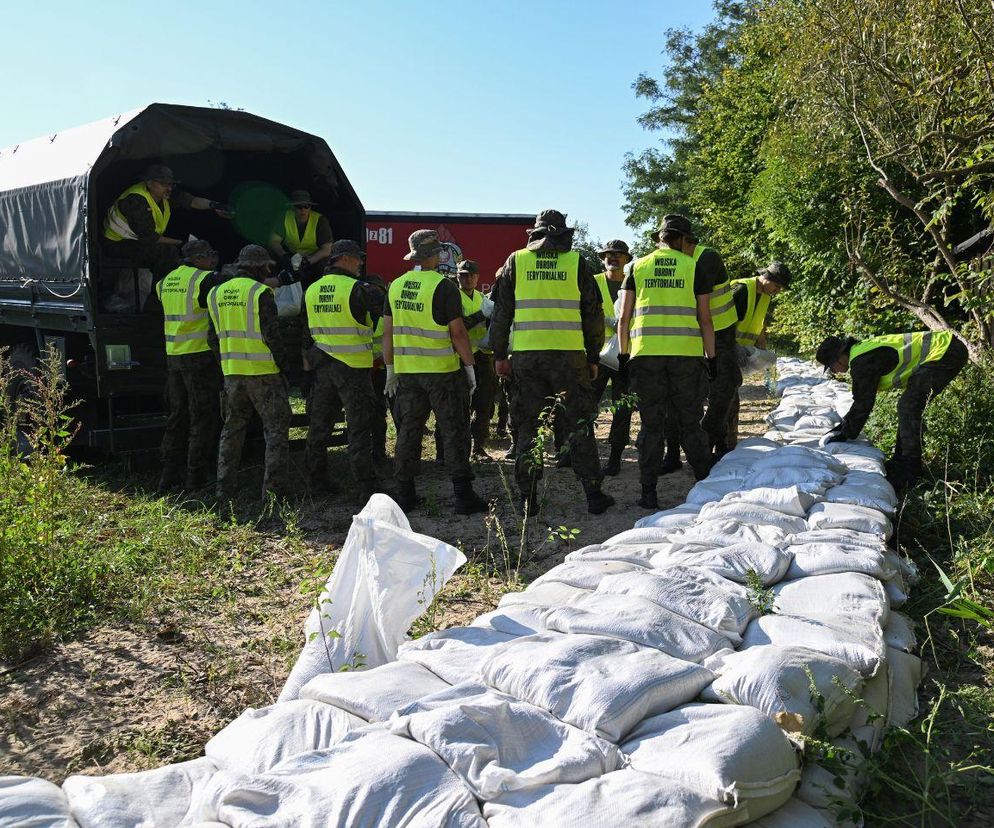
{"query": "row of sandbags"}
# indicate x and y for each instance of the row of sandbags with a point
(666, 676)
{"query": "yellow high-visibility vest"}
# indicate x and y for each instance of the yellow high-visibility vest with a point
(185, 322)
(234, 309)
(420, 344)
(722, 304)
(913, 349)
(333, 327)
(116, 227)
(751, 327)
(547, 301)
(470, 305)
(292, 239)
(607, 302)
(378, 339)
(664, 321)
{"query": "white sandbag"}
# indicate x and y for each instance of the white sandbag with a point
(584, 574)
(734, 562)
(496, 744)
(374, 694)
(794, 814)
(454, 655)
(668, 518)
(855, 448)
(777, 681)
(897, 592)
(544, 595)
(515, 620)
(790, 500)
(858, 463)
(693, 592)
(625, 797)
(385, 577)
(906, 672)
(798, 457)
(706, 491)
(859, 645)
(752, 513)
(602, 685)
(162, 797)
(261, 738)
(650, 534)
(822, 558)
(640, 621)
(639, 554)
(371, 780)
(815, 480)
(726, 532)
(899, 633)
(833, 785)
(860, 488)
(27, 802)
(909, 569)
(729, 753)
(817, 422)
(849, 595)
(848, 537)
(844, 516)
(752, 359)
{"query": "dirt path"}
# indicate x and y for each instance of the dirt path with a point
(135, 696)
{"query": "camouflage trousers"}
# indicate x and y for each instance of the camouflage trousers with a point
(722, 391)
(418, 395)
(484, 398)
(335, 386)
(670, 387)
(537, 377)
(379, 428)
(267, 396)
(193, 393)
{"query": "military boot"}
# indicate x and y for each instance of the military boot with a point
(198, 478)
(565, 461)
(407, 496)
(649, 500)
(169, 481)
(671, 463)
(468, 502)
(598, 501)
(613, 464)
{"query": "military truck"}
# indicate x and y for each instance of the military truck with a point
(60, 288)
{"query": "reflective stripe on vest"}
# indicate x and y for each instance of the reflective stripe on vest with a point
(664, 321)
(116, 227)
(185, 323)
(608, 303)
(234, 309)
(291, 237)
(334, 329)
(913, 349)
(547, 301)
(471, 305)
(722, 304)
(420, 345)
(751, 327)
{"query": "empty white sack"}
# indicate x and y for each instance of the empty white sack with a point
(28, 802)
(496, 744)
(849, 595)
(374, 694)
(845, 516)
(859, 645)
(602, 685)
(371, 780)
(823, 558)
(624, 797)
(776, 681)
(790, 500)
(456, 654)
(261, 738)
(549, 594)
(162, 797)
(584, 574)
(636, 619)
(727, 752)
(734, 562)
(693, 592)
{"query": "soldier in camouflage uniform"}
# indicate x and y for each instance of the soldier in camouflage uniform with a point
(339, 315)
(245, 335)
(193, 381)
(548, 294)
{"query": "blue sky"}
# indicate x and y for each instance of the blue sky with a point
(436, 106)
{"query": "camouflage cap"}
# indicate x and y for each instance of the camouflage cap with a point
(160, 173)
(197, 248)
(777, 272)
(467, 267)
(550, 223)
(615, 246)
(674, 223)
(830, 350)
(254, 255)
(424, 244)
(345, 247)
(301, 198)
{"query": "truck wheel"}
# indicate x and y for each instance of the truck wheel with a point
(24, 362)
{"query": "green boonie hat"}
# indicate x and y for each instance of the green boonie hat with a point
(196, 248)
(550, 223)
(675, 223)
(254, 255)
(424, 244)
(345, 247)
(301, 198)
(830, 350)
(777, 272)
(160, 173)
(467, 267)
(615, 246)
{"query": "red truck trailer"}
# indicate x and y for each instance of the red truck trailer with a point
(487, 238)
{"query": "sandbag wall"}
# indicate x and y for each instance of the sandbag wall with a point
(667, 676)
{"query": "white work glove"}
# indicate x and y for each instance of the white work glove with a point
(610, 322)
(470, 373)
(296, 260)
(833, 436)
(488, 307)
(392, 382)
